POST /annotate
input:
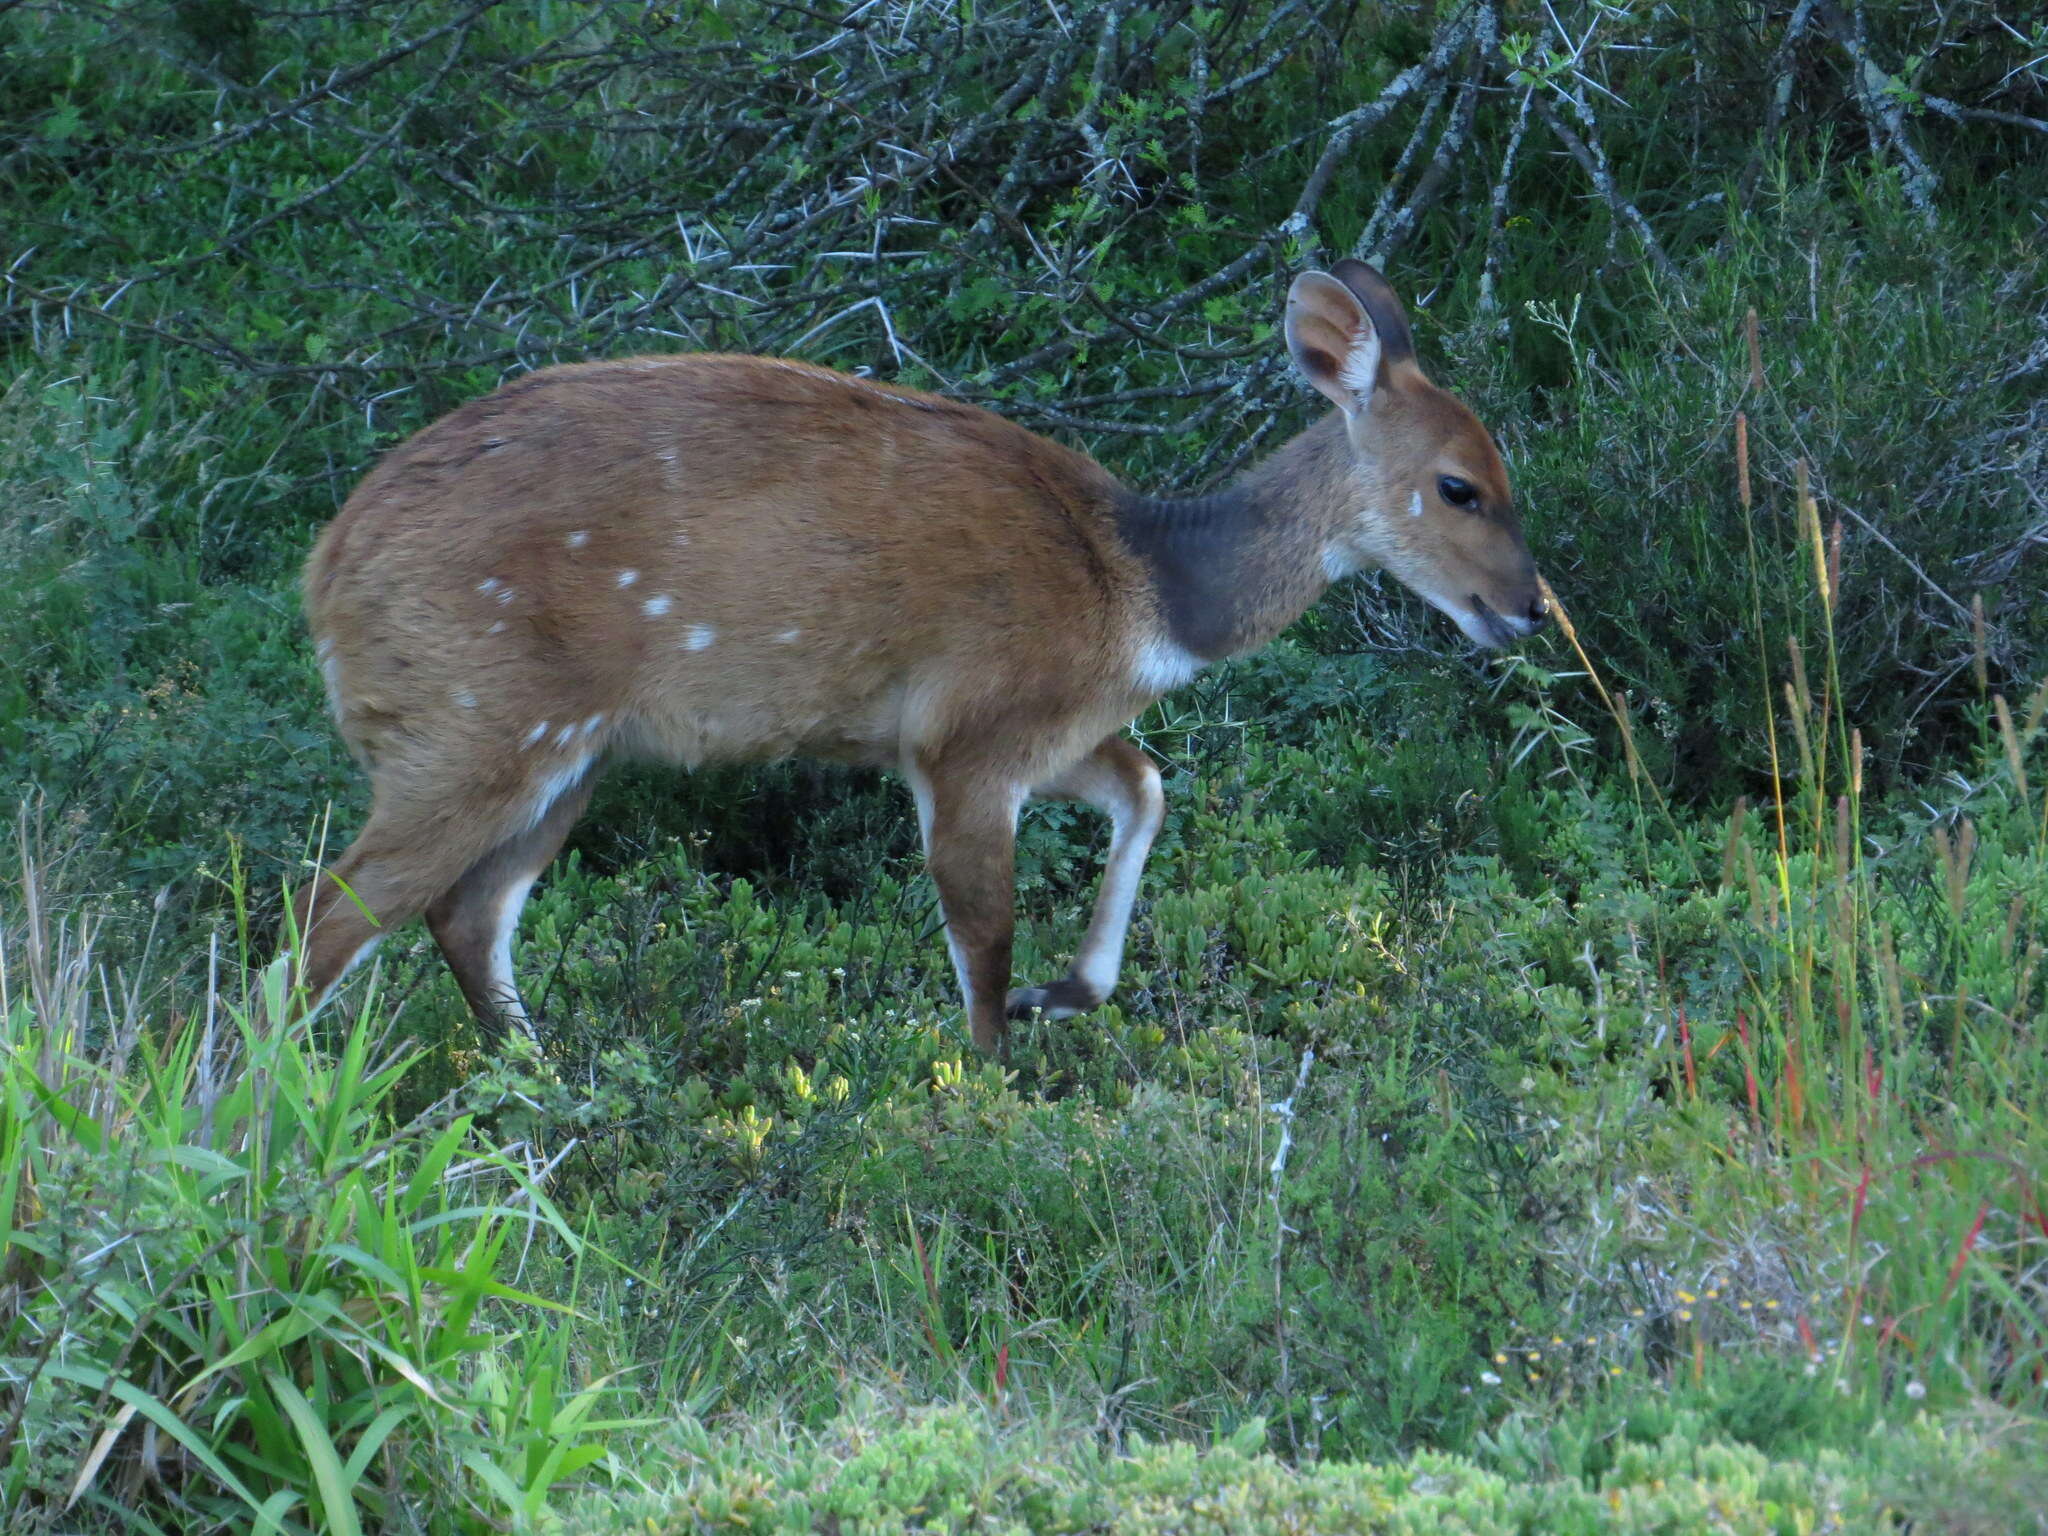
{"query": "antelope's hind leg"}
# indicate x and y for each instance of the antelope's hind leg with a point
(458, 848)
(405, 856)
(1118, 779)
(969, 819)
(474, 920)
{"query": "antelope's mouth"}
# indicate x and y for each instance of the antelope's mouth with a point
(1497, 629)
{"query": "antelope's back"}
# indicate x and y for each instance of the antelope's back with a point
(741, 556)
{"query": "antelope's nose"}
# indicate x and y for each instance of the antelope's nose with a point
(1539, 612)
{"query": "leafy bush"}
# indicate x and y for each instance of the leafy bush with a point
(239, 1295)
(967, 1468)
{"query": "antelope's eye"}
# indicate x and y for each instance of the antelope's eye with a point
(1458, 493)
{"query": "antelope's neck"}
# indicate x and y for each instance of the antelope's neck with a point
(1234, 568)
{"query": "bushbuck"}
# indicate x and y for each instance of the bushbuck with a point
(707, 558)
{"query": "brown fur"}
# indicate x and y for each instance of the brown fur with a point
(707, 557)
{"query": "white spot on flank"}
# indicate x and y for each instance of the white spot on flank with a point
(534, 735)
(464, 699)
(655, 607)
(555, 785)
(699, 637)
(590, 726)
(488, 585)
(565, 735)
(1415, 503)
(1162, 666)
(506, 596)
(682, 539)
(787, 637)
(496, 627)
(578, 539)
(627, 578)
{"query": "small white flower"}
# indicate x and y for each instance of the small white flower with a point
(1916, 1390)
(1489, 1378)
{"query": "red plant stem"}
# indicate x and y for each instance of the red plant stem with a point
(1692, 1082)
(1955, 1270)
(1748, 1069)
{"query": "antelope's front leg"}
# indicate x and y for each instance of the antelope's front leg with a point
(969, 820)
(1118, 779)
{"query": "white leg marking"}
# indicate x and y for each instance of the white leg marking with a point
(1136, 821)
(499, 982)
(330, 674)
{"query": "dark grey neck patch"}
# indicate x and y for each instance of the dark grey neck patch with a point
(1198, 551)
(1233, 568)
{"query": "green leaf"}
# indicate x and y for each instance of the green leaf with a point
(340, 1504)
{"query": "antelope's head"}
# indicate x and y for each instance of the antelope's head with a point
(1427, 494)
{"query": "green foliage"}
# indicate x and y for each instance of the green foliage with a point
(968, 1468)
(239, 1293)
(1494, 1129)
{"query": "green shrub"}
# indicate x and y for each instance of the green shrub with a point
(239, 1294)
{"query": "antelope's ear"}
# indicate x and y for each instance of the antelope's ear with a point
(1333, 340)
(1382, 307)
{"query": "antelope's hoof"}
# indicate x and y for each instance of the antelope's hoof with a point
(1060, 999)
